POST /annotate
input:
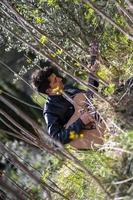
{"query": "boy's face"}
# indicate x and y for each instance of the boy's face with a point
(55, 82)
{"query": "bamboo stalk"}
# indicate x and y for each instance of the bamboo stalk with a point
(24, 131)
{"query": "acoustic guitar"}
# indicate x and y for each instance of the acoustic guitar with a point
(93, 134)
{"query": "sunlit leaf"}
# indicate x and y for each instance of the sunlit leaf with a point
(39, 20)
(110, 89)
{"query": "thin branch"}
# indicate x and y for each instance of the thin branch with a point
(88, 172)
(42, 32)
(16, 74)
(115, 149)
(123, 12)
(44, 138)
(8, 187)
(9, 68)
(74, 19)
(123, 181)
(21, 137)
(26, 132)
(36, 170)
(63, 33)
(61, 149)
(9, 126)
(130, 85)
(23, 102)
(37, 39)
(20, 189)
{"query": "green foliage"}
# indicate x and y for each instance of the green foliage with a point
(82, 185)
(126, 140)
(80, 74)
(39, 20)
(44, 176)
(73, 25)
(51, 2)
(61, 24)
(89, 14)
(110, 89)
(104, 73)
(109, 166)
(76, 1)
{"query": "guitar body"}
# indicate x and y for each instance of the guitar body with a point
(90, 137)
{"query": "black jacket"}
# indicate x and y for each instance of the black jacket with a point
(57, 112)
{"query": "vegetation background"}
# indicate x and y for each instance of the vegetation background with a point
(33, 34)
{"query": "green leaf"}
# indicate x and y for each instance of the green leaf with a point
(52, 3)
(91, 11)
(44, 176)
(110, 89)
(39, 20)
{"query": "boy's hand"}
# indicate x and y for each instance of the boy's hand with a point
(86, 118)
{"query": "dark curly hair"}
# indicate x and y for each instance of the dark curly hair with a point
(39, 79)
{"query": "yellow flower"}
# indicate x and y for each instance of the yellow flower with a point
(72, 135)
(57, 90)
(29, 60)
(81, 135)
(53, 55)
(43, 39)
(59, 51)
